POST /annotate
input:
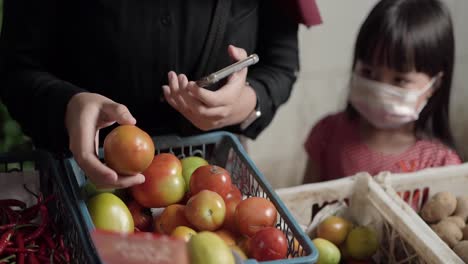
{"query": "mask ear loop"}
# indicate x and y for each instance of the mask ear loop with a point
(437, 80)
(434, 84)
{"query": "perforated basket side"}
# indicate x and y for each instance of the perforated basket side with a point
(398, 227)
(410, 191)
(65, 214)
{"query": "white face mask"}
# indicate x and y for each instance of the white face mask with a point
(386, 106)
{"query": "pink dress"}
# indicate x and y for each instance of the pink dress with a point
(334, 143)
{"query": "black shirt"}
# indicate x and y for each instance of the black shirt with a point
(123, 49)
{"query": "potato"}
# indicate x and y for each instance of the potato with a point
(440, 206)
(456, 220)
(461, 249)
(448, 231)
(462, 207)
(465, 233)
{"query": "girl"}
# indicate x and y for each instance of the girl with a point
(398, 104)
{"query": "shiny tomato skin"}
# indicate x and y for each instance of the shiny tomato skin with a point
(233, 194)
(164, 184)
(141, 216)
(253, 214)
(128, 150)
(212, 178)
(268, 244)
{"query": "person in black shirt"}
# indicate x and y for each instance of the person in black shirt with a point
(70, 69)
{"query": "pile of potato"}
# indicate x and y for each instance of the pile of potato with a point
(447, 216)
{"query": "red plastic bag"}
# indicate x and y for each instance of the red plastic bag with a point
(305, 12)
(139, 248)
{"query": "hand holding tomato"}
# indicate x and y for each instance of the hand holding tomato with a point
(85, 115)
(128, 150)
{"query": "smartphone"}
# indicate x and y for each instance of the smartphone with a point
(210, 80)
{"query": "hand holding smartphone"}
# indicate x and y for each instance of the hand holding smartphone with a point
(215, 77)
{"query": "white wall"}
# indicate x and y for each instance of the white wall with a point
(326, 53)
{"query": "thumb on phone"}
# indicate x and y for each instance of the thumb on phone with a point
(237, 53)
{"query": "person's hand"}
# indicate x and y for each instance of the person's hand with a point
(87, 113)
(206, 109)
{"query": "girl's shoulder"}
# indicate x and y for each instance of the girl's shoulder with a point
(332, 126)
(337, 119)
(438, 153)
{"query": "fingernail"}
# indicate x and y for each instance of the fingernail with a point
(165, 89)
(142, 179)
(128, 117)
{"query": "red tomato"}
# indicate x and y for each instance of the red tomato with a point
(164, 184)
(233, 194)
(128, 150)
(210, 177)
(253, 214)
(141, 216)
(230, 220)
(172, 217)
(268, 244)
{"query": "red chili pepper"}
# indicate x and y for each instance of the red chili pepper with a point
(20, 242)
(11, 215)
(57, 258)
(66, 255)
(43, 259)
(5, 238)
(42, 249)
(61, 242)
(15, 226)
(48, 239)
(17, 250)
(42, 226)
(32, 259)
(7, 226)
(12, 202)
(30, 213)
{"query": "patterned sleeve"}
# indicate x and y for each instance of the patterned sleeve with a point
(450, 157)
(318, 138)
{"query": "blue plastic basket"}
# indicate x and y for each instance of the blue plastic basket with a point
(64, 212)
(225, 150)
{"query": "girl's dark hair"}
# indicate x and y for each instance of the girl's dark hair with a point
(407, 35)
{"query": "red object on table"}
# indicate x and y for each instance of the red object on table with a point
(305, 12)
(139, 248)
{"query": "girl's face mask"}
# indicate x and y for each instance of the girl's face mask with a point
(386, 106)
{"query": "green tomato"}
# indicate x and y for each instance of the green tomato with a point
(110, 213)
(208, 248)
(328, 252)
(189, 165)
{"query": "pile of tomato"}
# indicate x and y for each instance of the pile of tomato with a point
(192, 195)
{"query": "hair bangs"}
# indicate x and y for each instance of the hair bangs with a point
(387, 45)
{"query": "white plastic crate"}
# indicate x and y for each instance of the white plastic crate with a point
(417, 188)
(401, 239)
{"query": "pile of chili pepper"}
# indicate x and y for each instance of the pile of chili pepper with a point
(28, 234)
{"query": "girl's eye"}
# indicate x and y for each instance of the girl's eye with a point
(400, 81)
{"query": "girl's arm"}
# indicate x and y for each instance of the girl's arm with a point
(312, 172)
